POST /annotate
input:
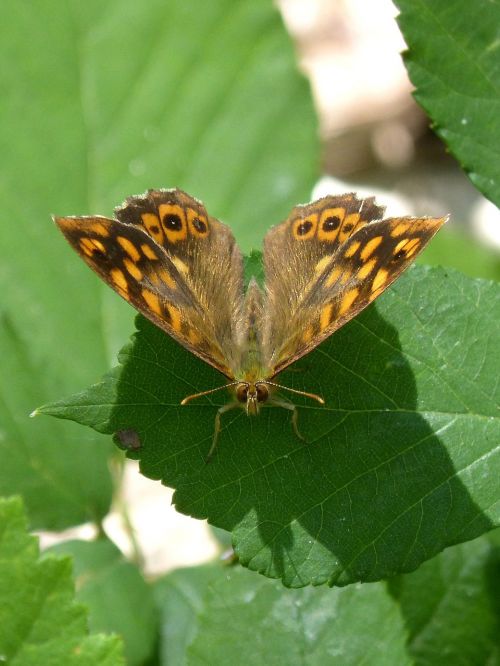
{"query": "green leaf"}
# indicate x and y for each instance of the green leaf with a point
(451, 606)
(113, 590)
(453, 61)
(39, 620)
(227, 616)
(60, 488)
(401, 459)
(179, 598)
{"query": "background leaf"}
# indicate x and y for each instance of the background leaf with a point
(59, 487)
(39, 620)
(116, 595)
(451, 605)
(453, 61)
(400, 459)
(234, 618)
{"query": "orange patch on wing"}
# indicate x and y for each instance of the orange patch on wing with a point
(322, 264)
(152, 301)
(366, 269)
(305, 228)
(400, 245)
(132, 268)
(380, 279)
(307, 336)
(175, 318)
(347, 300)
(325, 317)
(352, 249)
(166, 278)
(412, 246)
(129, 248)
(89, 245)
(100, 229)
(119, 280)
(149, 252)
(173, 219)
(370, 247)
(334, 276)
(153, 226)
(180, 265)
(400, 229)
(345, 276)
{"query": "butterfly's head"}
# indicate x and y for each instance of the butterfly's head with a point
(252, 395)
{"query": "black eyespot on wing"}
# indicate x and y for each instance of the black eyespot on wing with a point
(199, 225)
(173, 222)
(331, 223)
(304, 227)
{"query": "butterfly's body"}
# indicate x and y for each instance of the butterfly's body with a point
(182, 269)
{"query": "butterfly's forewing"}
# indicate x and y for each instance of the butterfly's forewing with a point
(343, 275)
(188, 281)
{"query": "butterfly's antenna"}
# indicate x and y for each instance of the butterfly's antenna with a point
(199, 395)
(287, 388)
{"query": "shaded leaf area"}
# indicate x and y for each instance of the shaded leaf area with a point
(60, 487)
(219, 615)
(453, 61)
(40, 623)
(116, 595)
(451, 605)
(102, 101)
(400, 461)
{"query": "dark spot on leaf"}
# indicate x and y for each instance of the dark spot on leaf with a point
(127, 439)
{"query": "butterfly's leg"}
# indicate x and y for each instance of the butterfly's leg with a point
(217, 427)
(279, 402)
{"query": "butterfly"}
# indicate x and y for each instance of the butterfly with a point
(182, 269)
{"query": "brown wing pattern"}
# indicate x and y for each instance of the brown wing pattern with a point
(340, 281)
(203, 250)
(184, 291)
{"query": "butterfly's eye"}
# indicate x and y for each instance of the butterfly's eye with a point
(262, 392)
(242, 392)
